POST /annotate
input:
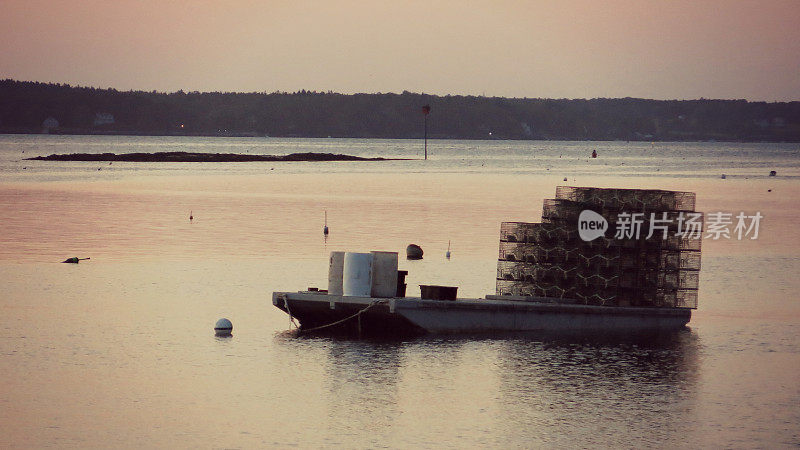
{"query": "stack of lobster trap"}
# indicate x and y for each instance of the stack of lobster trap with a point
(649, 255)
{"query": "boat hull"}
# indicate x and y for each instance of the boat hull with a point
(417, 316)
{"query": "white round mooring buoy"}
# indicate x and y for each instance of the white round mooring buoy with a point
(223, 327)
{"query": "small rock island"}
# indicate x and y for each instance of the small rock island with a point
(203, 157)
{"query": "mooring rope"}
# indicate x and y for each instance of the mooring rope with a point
(302, 330)
(291, 318)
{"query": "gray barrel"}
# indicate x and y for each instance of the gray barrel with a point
(384, 274)
(357, 274)
(335, 273)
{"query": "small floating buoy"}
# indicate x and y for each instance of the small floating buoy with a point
(769, 190)
(223, 327)
(723, 176)
(414, 251)
(74, 260)
(772, 173)
(594, 153)
(191, 216)
(565, 178)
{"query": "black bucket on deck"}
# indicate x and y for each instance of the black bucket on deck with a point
(401, 283)
(438, 292)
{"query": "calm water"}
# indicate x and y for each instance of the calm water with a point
(119, 351)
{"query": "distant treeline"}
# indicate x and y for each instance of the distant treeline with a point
(30, 107)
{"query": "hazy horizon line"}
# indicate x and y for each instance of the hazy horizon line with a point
(331, 92)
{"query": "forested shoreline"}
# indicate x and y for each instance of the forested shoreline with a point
(32, 107)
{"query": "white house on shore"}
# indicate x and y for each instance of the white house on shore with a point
(49, 124)
(103, 119)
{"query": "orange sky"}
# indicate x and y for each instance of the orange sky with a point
(574, 49)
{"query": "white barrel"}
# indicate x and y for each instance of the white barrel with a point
(384, 274)
(357, 274)
(335, 272)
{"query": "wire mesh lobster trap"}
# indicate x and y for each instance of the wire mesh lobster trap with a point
(630, 199)
(650, 259)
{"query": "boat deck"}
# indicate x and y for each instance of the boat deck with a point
(470, 315)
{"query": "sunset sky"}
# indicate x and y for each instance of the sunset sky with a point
(673, 49)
